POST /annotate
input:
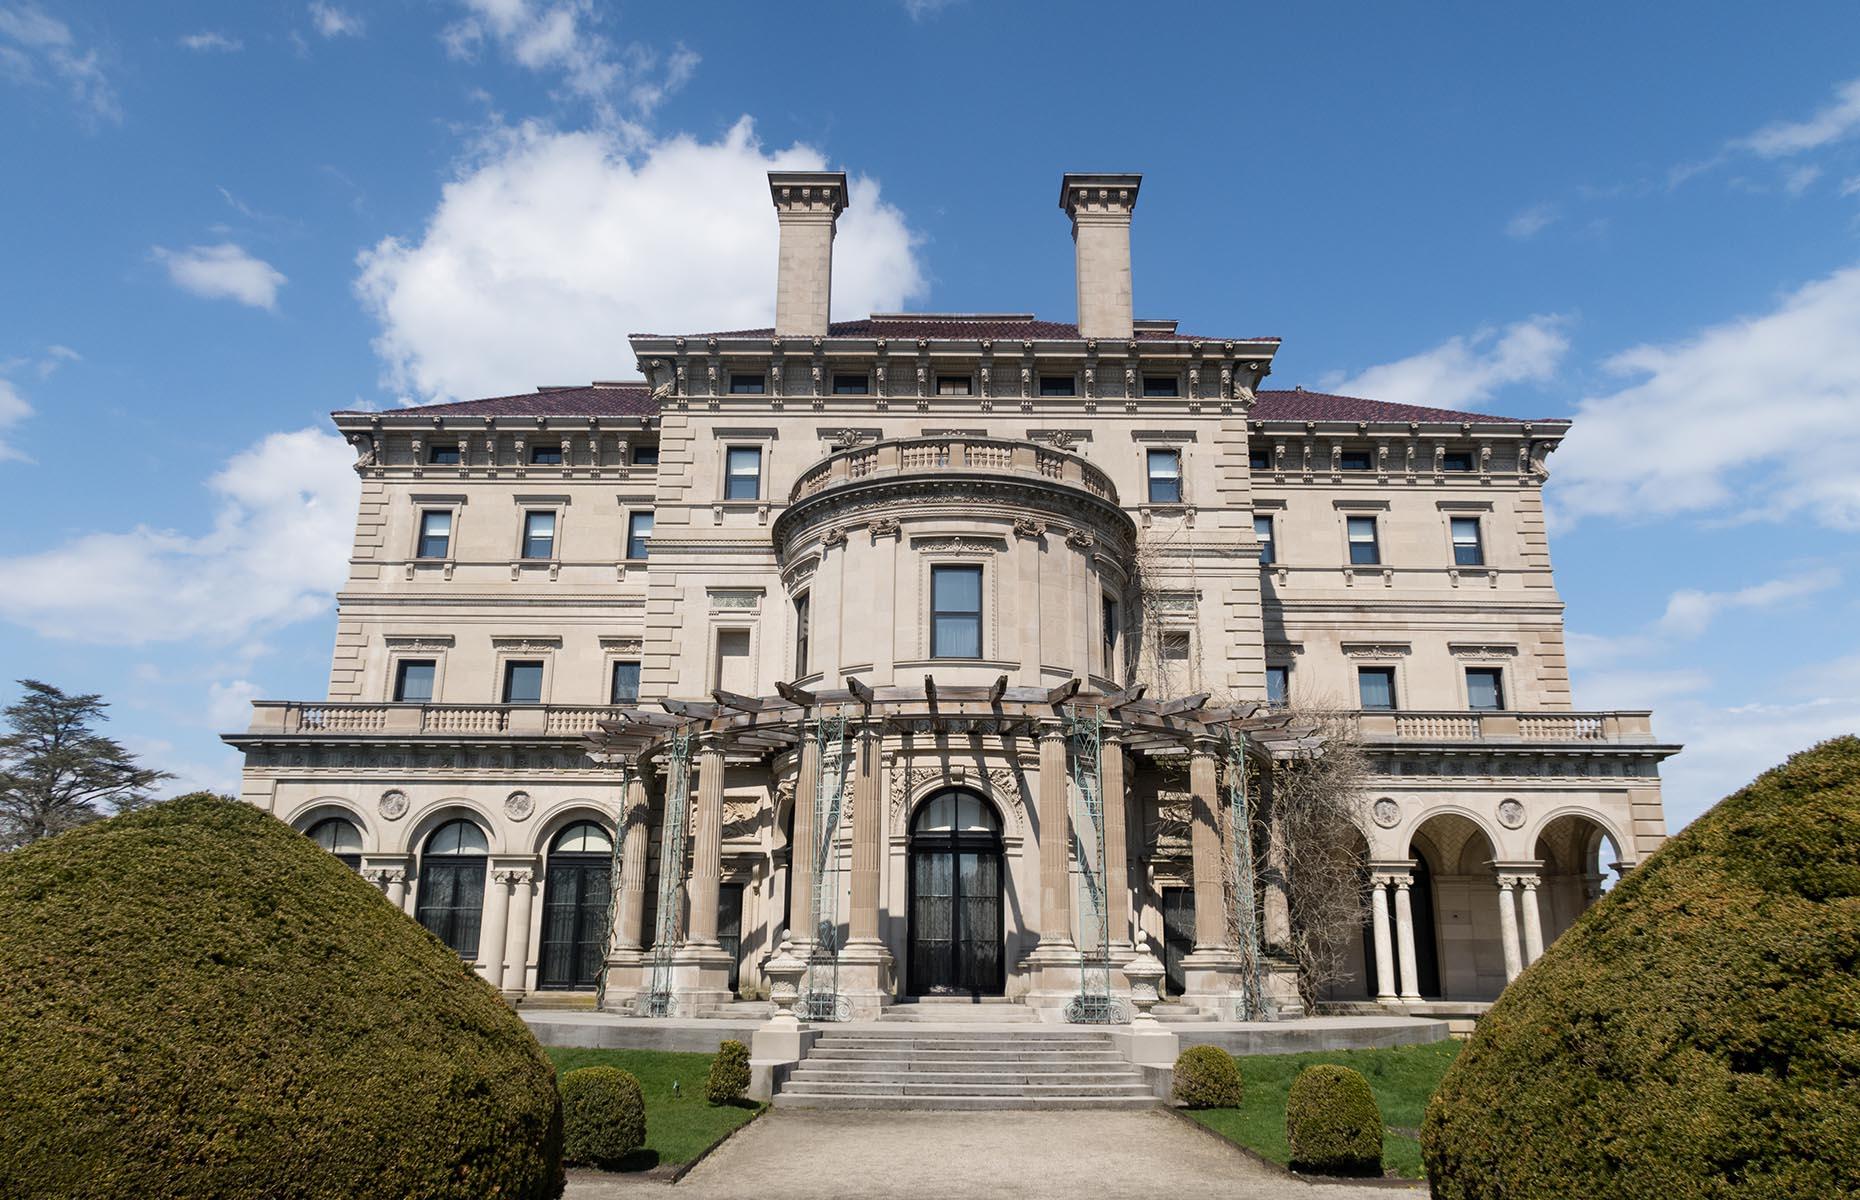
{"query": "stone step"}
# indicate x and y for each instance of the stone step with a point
(963, 1043)
(787, 1099)
(811, 1076)
(968, 1061)
(966, 1087)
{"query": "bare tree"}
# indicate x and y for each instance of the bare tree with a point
(58, 772)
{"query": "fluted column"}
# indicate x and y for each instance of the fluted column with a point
(491, 932)
(635, 835)
(706, 846)
(1379, 934)
(1116, 847)
(868, 831)
(1205, 843)
(801, 864)
(1533, 920)
(522, 883)
(1508, 925)
(1055, 841)
(1404, 938)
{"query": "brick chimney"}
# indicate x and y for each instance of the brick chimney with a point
(1100, 208)
(808, 205)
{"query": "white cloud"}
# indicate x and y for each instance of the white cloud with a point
(229, 704)
(922, 9)
(209, 41)
(223, 272)
(1800, 179)
(1689, 612)
(1851, 186)
(545, 254)
(1532, 221)
(1753, 417)
(1839, 119)
(278, 549)
(41, 43)
(1726, 746)
(333, 22)
(1464, 372)
(13, 410)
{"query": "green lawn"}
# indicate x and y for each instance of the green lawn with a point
(678, 1127)
(1402, 1079)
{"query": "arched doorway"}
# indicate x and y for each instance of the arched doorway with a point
(340, 837)
(452, 885)
(576, 894)
(1579, 866)
(955, 902)
(1458, 934)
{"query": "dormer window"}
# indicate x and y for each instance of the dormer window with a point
(443, 454)
(1058, 385)
(1161, 385)
(546, 456)
(954, 385)
(747, 385)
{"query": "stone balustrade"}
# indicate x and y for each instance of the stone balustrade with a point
(1505, 726)
(906, 456)
(319, 718)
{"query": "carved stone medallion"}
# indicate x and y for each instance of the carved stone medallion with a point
(519, 805)
(1511, 814)
(1387, 813)
(393, 805)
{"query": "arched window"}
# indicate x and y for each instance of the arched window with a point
(956, 902)
(452, 885)
(340, 837)
(576, 893)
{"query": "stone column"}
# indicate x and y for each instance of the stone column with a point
(1404, 938)
(397, 888)
(1111, 771)
(801, 864)
(522, 883)
(635, 838)
(1508, 925)
(1379, 932)
(1533, 920)
(1205, 844)
(491, 933)
(706, 846)
(865, 963)
(1055, 842)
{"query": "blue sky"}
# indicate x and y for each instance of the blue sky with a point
(220, 221)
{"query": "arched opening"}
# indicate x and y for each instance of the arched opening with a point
(1578, 860)
(1426, 940)
(955, 902)
(1454, 897)
(577, 891)
(340, 837)
(452, 885)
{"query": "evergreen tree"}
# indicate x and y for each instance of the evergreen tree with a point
(57, 771)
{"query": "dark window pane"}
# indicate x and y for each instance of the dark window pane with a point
(1165, 476)
(747, 385)
(1161, 385)
(452, 900)
(546, 455)
(539, 535)
(645, 456)
(1262, 529)
(743, 473)
(1058, 385)
(523, 683)
(1484, 688)
(802, 632)
(1467, 548)
(849, 385)
(638, 535)
(445, 454)
(1278, 685)
(626, 683)
(956, 612)
(435, 534)
(413, 681)
(1363, 548)
(1259, 458)
(1376, 686)
(1457, 460)
(1355, 460)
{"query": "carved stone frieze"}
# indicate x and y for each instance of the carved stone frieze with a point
(1376, 650)
(1028, 527)
(393, 804)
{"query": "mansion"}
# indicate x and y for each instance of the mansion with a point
(958, 650)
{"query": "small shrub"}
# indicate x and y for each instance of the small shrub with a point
(1332, 1122)
(1207, 1077)
(729, 1073)
(603, 1116)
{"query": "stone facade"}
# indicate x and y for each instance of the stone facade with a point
(960, 530)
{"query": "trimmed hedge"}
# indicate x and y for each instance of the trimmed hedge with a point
(729, 1073)
(603, 1116)
(1697, 1033)
(1207, 1077)
(197, 1001)
(1332, 1122)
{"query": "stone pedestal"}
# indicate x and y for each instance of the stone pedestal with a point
(867, 978)
(1211, 980)
(626, 979)
(700, 979)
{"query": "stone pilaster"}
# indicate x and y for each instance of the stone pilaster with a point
(624, 955)
(1211, 972)
(866, 965)
(522, 883)
(700, 967)
(801, 865)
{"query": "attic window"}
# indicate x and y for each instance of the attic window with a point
(954, 385)
(1058, 385)
(1161, 385)
(1456, 460)
(1355, 460)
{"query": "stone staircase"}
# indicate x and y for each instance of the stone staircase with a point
(905, 1068)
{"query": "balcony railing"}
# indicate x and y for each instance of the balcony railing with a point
(512, 720)
(906, 456)
(1505, 726)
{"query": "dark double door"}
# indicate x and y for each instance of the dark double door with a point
(956, 917)
(576, 899)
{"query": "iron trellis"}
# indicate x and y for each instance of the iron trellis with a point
(672, 837)
(1250, 1005)
(613, 888)
(820, 998)
(1094, 1004)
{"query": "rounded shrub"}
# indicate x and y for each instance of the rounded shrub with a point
(729, 1073)
(1332, 1122)
(1694, 1034)
(603, 1116)
(197, 1001)
(1207, 1077)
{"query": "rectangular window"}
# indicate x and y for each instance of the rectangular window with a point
(733, 672)
(954, 385)
(1259, 458)
(1058, 385)
(638, 534)
(1278, 686)
(1165, 474)
(1355, 460)
(1111, 630)
(955, 612)
(1161, 385)
(435, 534)
(1364, 551)
(747, 385)
(1375, 687)
(1485, 688)
(523, 682)
(626, 683)
(413, 681)
(539, 535)
(645, 456)
(1456, 460)
(802, 633)
(1468, 551)
(743, 473)
(1174, 646)
(1268, 551)
(850, 385)
(443, 454)
(546, 456)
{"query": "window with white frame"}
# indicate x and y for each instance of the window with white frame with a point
(1468, 550)
(1164, 469)
(955, 611)
(743, 473)
(1268, 548)
(435, 533)
(638, 535)
(539, 534)
(1365, 550)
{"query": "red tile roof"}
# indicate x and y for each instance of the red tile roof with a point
(1300, 405)
(933, 325)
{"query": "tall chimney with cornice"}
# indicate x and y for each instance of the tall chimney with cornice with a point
(808, 205)
(1100, 208)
